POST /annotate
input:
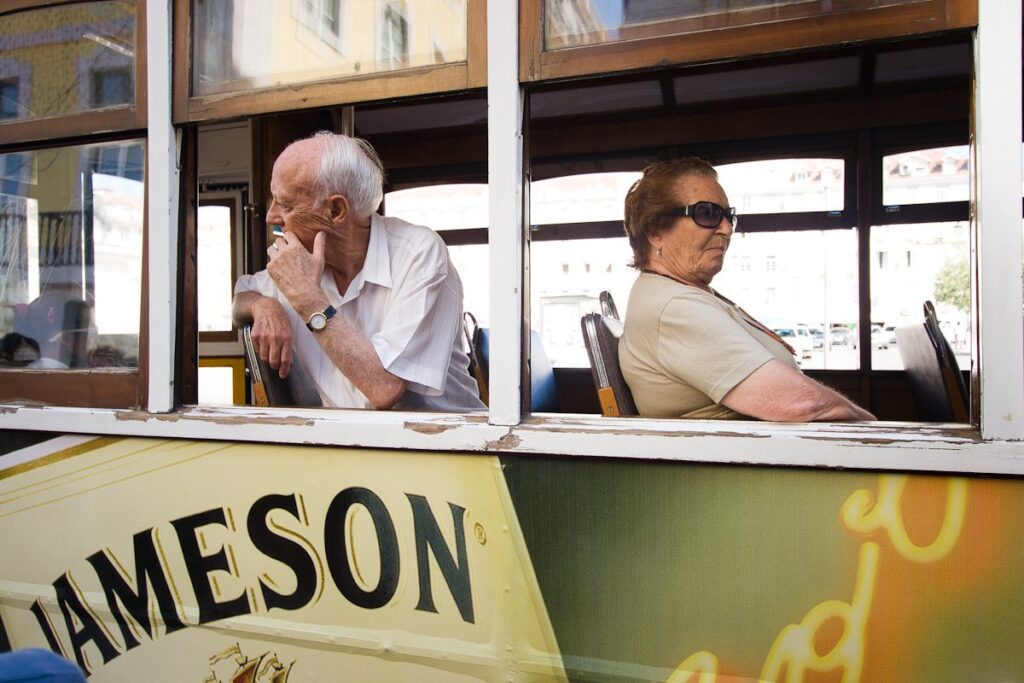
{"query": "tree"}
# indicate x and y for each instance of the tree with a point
(953, 284)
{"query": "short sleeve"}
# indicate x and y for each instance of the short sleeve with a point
(701, 345)
(418, 331)
(260, 282)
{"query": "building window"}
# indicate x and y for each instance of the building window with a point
(111, 87)
(394, 37)
(8, 99)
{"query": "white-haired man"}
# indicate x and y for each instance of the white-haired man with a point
(371, 305)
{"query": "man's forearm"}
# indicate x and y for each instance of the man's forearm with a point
(354, 354)
(241, 307)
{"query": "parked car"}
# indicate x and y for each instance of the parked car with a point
(879, 338)
(890, 334)
(799, 337)
(817, 337)
(842, 336)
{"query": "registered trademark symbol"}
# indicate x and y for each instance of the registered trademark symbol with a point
(481, 535)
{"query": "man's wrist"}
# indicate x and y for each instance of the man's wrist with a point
(314, 302)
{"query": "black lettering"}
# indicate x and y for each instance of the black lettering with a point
(337, 556)
(46, 627)
(148, 571)
(430, 541)
(283, 550)
(199, 567)
(69, 602)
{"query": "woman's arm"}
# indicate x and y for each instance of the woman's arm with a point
(779, 393)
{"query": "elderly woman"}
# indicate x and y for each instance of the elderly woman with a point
(687, 351)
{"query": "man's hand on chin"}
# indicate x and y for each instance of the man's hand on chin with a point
(297, 272)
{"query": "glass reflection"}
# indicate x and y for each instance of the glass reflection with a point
(71, 222)
(571, 23)
(926, 176)
(67, 59)
(241, 46)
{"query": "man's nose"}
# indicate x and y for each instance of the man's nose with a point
(272, 214)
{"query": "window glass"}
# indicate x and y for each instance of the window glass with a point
(568, 276)
(472, 261)
(216, 385)
(803, 284)
(580, 198)
(241, 46)
(926, 176)
(784, 185)
(213, 269)
(441, 207)
(71, 226)
(911, 264)
(67, 59)
(568, 23)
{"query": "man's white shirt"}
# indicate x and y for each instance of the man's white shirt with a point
(407, 300)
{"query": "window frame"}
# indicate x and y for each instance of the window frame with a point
(338, 91)
(132, 117)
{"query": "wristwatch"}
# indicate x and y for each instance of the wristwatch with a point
(318, 320)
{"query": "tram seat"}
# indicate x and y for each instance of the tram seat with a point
(608, 307)
(601, 337)
(935, 380)
(268, 389)
(543, 388)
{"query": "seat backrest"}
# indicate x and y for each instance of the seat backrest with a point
(608, 307)
(935, 380)
(543, 387)
(601, 336)
(471, 331)
(268, 389)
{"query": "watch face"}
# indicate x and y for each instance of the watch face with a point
(318, 321)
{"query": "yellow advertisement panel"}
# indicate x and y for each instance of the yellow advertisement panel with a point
(205, 561)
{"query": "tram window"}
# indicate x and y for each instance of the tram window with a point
(784, 185)
(580, 198)
(912, 264)
(459, 207)
(568, 277)
(802, 280)
(925, 176)
(242, 47)
(92, 70)
(215, 258)
(71, 228)
(441, 207)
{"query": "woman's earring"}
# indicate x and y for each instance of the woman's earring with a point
(658, 251)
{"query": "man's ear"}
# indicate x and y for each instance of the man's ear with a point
(340, 208)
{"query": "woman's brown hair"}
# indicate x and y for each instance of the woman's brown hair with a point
(649, 200)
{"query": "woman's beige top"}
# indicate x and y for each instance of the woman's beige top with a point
(683, 349)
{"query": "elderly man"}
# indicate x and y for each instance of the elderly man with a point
(371, 305)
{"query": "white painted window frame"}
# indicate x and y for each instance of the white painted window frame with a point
(880, 446)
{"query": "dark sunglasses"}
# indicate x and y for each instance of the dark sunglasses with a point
(707, 214)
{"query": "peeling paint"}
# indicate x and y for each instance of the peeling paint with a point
(506, 443)
(550, 427)
(429, 427)
(238, 420)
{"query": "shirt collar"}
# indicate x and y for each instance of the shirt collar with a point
(376, 266)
